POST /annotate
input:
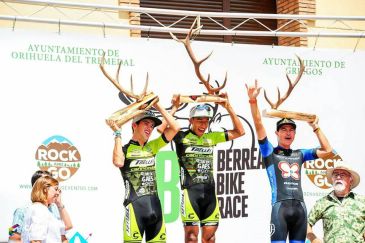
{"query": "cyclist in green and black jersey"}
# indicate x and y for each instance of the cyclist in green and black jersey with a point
(136, 161)
(194, 148)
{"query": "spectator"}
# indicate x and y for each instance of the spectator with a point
(342, 211)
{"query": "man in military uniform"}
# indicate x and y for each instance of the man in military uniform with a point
(342, 211)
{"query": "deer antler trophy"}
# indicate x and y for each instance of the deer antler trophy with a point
(273, 112)
(143, 101)
(213, 93)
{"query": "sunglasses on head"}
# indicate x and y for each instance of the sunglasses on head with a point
(203, 107)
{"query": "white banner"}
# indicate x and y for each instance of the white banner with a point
(54, 100)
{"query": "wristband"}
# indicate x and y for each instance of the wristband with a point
(315, 130)
(252, 101)
(117, 133)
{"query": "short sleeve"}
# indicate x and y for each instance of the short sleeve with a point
(157, 144)
(218, 137)
(266, 147)
(18, 219)
(309, 154)
(178, 137)
(315, 213)
(39, 225)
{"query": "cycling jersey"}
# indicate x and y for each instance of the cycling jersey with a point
(196, 156)
(283, 167)
(143, 208)
(139, 168)
(288, 214)
(198, 200)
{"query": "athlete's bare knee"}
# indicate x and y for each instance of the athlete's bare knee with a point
(208, 235)
(209, 239)
(191, 235)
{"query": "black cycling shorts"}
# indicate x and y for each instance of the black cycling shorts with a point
(288, 217)
(199, 204)
(144, 215)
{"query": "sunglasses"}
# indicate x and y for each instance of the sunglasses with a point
(203, 107)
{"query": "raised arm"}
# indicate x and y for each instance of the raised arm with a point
(325, 148)
(175, 106)
(253, 92)
(237, 130)
(172, 125)
(118, 155)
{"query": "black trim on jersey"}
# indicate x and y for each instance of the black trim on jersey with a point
(191, 132)
(180, 133)
(315, 153)
(262, 141)
(226, 136)
(125, 147)
(282, 151)
(164, 138)
(135, 143)
(179, 152)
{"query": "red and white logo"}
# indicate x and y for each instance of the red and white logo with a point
(288, 170)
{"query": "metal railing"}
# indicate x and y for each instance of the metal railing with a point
(347, 32)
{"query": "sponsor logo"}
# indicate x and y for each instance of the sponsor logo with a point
(182, 175)
(316, 170)
(191, 216)
(189, 141)
(59, 156)
(127, 189)
(163, 236)
(142, 162)
(199, 150)
(127, 221)
(272, 229)
(202, 177)
(289, 170)
(183, 205)
(135, 235)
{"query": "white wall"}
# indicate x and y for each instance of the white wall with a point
(40, 99)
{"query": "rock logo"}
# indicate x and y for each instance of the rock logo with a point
(316, 170)
(59, 156)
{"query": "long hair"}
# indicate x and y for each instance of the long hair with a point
(40, 189)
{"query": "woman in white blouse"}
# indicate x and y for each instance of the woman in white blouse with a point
(40, 226)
